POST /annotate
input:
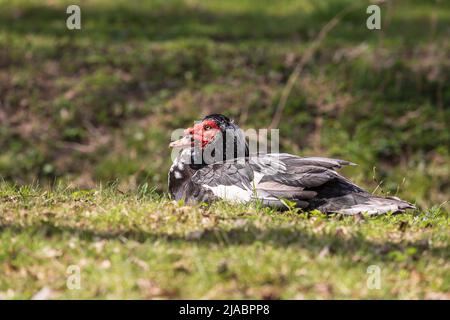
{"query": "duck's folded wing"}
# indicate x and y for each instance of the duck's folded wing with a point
(296, 178)
(268, 178)
(290, 162)
(231, 180)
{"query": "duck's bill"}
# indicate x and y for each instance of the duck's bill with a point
(181, 143)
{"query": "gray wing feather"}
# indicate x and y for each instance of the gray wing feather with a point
(273, 176)
(227, 173)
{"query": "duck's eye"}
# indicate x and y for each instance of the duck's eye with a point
(206, 127)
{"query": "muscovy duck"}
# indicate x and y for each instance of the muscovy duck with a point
(310, 182)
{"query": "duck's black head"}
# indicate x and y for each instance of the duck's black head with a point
(220, 120)
(215, 138)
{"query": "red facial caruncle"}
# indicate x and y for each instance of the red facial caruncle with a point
(202, 133)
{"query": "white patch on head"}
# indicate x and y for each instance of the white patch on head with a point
(231, 193)
(180, 166)
(186, 153)
(178, 175)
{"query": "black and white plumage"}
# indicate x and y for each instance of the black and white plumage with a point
(310, 182)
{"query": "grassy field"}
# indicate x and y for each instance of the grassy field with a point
(97, 107)
(139, 245)
(99, 104)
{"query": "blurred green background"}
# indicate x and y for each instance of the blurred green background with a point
(99, 104)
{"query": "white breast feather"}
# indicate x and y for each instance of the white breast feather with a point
(231, 193)
(178, 175)
(235, 193)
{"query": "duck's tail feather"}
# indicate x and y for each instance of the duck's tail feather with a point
(375, 205)
(342, 196)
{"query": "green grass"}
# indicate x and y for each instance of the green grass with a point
(139, 245)
(98, 105)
